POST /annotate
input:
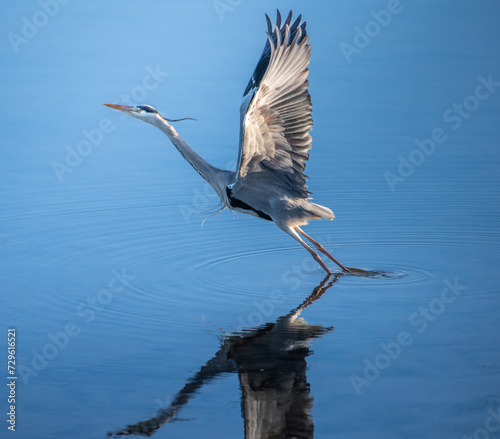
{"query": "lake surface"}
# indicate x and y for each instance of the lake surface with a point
(132, 317)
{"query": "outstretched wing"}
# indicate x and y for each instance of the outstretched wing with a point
(276, 111)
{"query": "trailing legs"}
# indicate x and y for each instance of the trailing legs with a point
(320, 248)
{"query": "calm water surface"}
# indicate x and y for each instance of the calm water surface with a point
(131, 317)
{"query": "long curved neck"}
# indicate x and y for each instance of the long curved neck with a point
(217, 178)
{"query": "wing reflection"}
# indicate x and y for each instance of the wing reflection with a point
(271, 364)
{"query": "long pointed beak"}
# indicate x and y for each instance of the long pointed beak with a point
(125, 108)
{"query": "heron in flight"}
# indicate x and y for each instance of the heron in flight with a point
(275, 121)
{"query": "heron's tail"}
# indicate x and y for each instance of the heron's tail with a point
(320, 211)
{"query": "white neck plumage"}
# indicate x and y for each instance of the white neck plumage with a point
(217, 178)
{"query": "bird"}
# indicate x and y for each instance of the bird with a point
(274, 142)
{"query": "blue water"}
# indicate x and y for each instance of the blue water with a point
(127, 309)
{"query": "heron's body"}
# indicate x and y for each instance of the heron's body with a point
(275, 119)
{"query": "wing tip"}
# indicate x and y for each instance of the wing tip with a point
(269, 25)
(278, 29)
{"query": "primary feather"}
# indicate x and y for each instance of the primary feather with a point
(276, 110)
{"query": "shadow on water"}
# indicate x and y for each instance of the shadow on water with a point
(270, 361)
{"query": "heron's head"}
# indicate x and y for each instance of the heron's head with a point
(142, 112)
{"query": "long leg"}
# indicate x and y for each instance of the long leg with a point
(320, 248)
(316, 294)
(293, 234)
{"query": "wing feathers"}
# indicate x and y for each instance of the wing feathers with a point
(276, 117)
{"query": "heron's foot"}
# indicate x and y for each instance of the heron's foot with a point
(359, 272)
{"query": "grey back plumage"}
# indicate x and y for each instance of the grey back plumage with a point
(276, 111)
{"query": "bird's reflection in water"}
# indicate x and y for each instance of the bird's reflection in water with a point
(271, 364)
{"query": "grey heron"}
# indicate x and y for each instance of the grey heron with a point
(275, 121)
